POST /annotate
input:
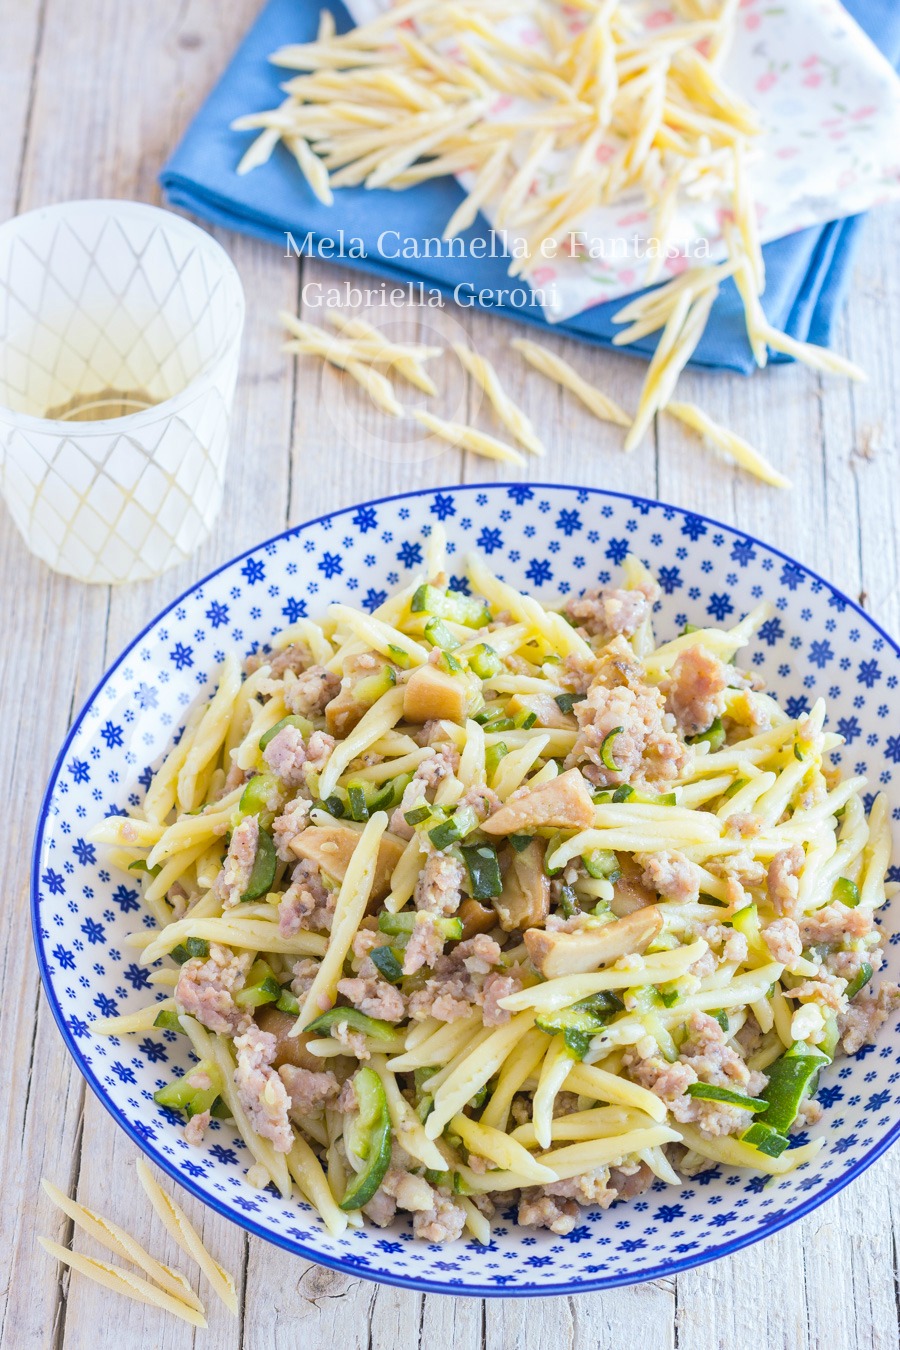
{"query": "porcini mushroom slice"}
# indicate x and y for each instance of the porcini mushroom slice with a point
(331, 848)
(563, 803)
(578, 953)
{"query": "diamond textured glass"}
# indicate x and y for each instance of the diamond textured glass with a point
(120, 329)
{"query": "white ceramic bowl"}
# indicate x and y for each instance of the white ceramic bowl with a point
(550, 540)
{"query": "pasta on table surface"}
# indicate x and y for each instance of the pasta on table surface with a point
(468, 899)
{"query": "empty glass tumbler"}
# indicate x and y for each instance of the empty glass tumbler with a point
(120, 330)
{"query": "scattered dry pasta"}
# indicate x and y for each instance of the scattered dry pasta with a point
(555, 368)
(468, 438)
(487, 379)
(730, 444)
(122, 1281)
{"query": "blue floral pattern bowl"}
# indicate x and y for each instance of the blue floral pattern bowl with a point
(551, 540)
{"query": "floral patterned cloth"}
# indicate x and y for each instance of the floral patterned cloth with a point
(807, 272)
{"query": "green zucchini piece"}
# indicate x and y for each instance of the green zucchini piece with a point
(765, 1139)
(468, 610)
(205, 1098)
(167, 1019)
(519, 841)
(385, 796)
(483, 869)
(264, 864)
(197, 947)
(356, 800)
(370, 688)
(174, 1095)
(334, 805)
(261, 987)
(568, 902)
(601, 863)
(400, 656)
(554, 843)
(464, 820)
(257, 794)
(846, 891)
(451, 1181)
(624, 793)
(356, 1021)
(180, 1095)
(606, 749)
(500, 724)
(790, 1080)
(140, 865)
(447, 661)
(417, 814)
(288, 1002)
(484, 661)
(493, 755)
(566, 702)
(480, 1097)
(714, 735)
(588, 1016)
(860, 980)
(395, 924)
(303, 725)
(370, 1139)
(830, 1037)
(711, 1092)
(385, 961)
(180, 954)
(439, 635)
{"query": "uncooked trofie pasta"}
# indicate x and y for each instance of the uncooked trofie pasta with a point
(486, 898)
(552, 110)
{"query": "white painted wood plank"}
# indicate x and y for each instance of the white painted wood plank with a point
(21, 23)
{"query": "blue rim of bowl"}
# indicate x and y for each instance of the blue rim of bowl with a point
(299, 1248)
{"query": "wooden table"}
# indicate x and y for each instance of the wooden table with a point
(93, 98)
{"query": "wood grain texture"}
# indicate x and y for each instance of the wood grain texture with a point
(91, 106)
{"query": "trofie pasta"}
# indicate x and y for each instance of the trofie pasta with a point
(470, 897)
(550, 110)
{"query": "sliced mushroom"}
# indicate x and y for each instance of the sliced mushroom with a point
(563, 803)
(476, 918)
(344, 711)
(578, 953)
(629, 891)
(331, 848)
(544, 707)
(526, 890)
(430, 693)
(288, 1049)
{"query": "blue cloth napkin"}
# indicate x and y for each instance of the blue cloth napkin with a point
(807, 273)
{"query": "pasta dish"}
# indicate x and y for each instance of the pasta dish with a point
(469, 902)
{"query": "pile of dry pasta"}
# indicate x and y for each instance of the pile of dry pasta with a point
(468, 896)
(605, 105)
